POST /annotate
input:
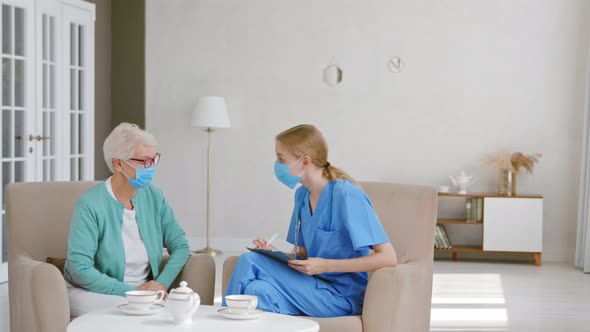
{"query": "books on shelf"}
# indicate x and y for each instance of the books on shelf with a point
(474, 210)
(479, 210)
(441, 240)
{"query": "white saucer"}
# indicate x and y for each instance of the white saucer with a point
(253, 314)
(153, 309)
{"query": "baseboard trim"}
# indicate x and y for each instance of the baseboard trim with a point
(225, 244)
(562, 256)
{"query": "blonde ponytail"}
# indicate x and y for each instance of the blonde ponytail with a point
(333, 173)
(307, 140)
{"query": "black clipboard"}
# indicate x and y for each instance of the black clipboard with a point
(281, 257)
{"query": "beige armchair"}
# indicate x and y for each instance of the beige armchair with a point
(397, 298)
(38, 219)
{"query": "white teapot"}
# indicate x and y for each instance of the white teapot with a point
(182, 303)
(462, 181)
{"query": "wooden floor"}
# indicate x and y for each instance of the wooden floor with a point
(475, 296)
(470, 296)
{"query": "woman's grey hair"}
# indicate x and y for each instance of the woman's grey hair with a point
(122, 141)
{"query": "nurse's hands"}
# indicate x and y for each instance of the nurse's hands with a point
(311, 266)
(262, 244)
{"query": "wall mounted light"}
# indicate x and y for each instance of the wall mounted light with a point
(332, 75)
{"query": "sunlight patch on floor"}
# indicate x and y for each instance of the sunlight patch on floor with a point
(468, 302)
(486, 317)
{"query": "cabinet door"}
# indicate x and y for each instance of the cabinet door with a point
(513, 224)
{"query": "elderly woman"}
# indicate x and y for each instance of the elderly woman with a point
(119, 228)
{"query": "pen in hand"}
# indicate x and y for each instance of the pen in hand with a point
(264, 244)
(272, 238)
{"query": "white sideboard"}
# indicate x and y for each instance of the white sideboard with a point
(511, 225)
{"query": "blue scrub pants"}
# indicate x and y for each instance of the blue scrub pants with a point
(284, 290)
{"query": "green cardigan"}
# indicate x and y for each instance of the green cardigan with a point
(96, 256)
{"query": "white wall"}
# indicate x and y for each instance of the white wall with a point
(479, 76)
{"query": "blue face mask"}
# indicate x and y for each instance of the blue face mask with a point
(143, 176)
(283, 175)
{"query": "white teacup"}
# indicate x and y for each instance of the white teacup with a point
(444, 189)
(241, 303)
(143, 299)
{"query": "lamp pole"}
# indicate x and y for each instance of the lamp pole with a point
(208, 250)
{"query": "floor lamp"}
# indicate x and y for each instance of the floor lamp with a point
(211, 113)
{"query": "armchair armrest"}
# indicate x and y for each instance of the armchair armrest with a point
(38, 296)
(199, 273)
(399, 298)
(228, 268)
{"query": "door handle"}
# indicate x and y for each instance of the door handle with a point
(38, 138)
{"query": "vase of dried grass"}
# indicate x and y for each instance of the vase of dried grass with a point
(507, 182)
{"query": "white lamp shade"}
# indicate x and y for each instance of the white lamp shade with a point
(210, 112)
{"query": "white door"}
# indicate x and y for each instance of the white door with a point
(49, 102)
(47, 95)
(79, 97)
(18, 108)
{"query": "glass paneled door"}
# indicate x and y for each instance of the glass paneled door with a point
(79, 81)
(18, 109)
(47, 95)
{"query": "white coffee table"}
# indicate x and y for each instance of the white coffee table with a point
(205, 319)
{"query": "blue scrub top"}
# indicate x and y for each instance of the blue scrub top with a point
(343, 226)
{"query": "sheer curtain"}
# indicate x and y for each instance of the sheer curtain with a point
(583, 234)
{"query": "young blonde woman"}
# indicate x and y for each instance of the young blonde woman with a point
(333, 228)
